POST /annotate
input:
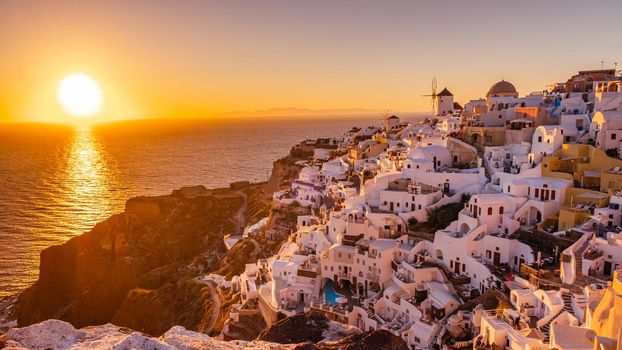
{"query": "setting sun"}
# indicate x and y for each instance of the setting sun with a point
(80, 95)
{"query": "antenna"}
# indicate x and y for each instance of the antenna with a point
(433, 95)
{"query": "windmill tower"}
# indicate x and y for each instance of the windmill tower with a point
(433, 95)
(390, 122)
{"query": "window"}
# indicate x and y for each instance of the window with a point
(500, 210)
(509, 188)
(489, 210)
(613, 136)
(539, 138)
(537, 192)
(552, 195)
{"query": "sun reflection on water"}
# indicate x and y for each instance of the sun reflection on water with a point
(88, 179)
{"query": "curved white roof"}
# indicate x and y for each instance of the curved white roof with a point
(541, 181)
(428, 152)
(491, 198)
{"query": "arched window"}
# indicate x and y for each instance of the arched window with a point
(500, 210)
(489, 210)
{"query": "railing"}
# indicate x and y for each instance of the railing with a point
(496, 319)
(324, 307)
(373, 277)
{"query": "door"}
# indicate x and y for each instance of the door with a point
(497, 258)
(475, 211)
(607, 268)
(391, 206)
(457, 268)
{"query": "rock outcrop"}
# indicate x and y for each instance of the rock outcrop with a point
(309, 327)
(137, 268)
(59, 335)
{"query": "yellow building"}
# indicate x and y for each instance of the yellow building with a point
(594, 175)
(605, 318)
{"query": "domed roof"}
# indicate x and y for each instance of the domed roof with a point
(502, 87)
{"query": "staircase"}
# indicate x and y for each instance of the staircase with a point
(546, 328)
(580, 279)
(567, 296)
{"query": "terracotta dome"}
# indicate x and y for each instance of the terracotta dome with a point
(502, 87)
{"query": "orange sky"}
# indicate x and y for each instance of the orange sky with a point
(159, 59)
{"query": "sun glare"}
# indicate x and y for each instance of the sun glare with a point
(80, 95)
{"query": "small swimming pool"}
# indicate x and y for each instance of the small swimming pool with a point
(330, 294)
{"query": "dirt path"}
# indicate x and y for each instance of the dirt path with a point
(215, 307)
(240, 218)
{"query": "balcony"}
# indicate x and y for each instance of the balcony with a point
(373, 277)
(344, 275)
(592, 254)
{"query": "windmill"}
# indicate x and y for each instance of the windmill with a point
(433, 95)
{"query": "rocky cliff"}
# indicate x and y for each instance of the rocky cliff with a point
(137, 268)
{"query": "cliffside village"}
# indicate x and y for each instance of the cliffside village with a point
(537, 181)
